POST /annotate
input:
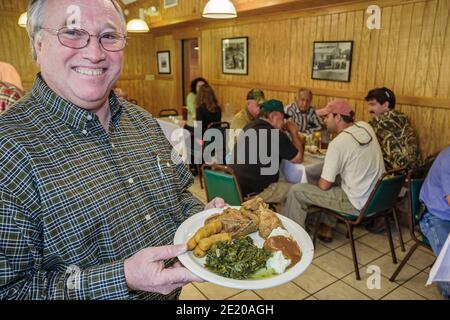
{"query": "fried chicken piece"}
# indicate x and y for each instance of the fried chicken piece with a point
(234, 222)
(254, 204)
(268, 221)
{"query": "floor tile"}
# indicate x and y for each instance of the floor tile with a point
(215, 292)
(364, 253)
(340, 291)
(314, 279)
(246, 295)
(367, 287)
(388, 267)
(338, 240)
(419, 259)
(288, 291)
(320, 249)
(402, 293)
(417, 284)
(378, 241)
(189, 292)
(335, 264)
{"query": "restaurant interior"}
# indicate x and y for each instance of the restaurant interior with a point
(279, 46)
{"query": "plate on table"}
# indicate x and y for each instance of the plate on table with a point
(196, 265)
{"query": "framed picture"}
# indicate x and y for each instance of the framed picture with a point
(235, 55)
(163, 58)
(332, 60)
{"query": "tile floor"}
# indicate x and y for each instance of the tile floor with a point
(331, 274)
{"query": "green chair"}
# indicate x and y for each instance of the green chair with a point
(220, 181)
(415, 180)
(381, 202)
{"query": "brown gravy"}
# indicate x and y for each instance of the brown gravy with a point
(287, 246)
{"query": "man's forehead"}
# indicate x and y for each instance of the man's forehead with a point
(79, 13)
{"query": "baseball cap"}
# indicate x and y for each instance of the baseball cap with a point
(274, 105)
(257, 95)
(337, 106)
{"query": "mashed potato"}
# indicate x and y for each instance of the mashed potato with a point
(278, 262)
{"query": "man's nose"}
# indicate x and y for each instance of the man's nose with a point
(94, 51)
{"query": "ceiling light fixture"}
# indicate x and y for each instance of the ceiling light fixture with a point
(219, 9)
(23, 20)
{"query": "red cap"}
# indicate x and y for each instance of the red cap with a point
(337, 106)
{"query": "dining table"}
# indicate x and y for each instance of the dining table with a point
(308, 171)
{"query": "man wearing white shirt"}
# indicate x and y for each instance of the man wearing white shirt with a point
(354, 155)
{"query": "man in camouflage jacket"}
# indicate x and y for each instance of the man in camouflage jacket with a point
(394, 132)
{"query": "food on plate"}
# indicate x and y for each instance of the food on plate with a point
(231, 253)
(237, 259)
(206, 243)
(253, 215)
(199, 253)
(208, 230)
(283, 241)
(234, 222)
(204, 232)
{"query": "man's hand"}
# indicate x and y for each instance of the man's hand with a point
(216, 203)
(145, 271)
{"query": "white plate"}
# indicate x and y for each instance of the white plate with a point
(196, 265)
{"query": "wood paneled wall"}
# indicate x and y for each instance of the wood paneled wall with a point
(410, 54)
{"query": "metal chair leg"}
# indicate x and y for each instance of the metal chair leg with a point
(391, 243)
(397, 225)
(402, 264)
(316, 227)
(352, 243)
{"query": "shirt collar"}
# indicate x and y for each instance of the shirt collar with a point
(74, 116)
(297, 109)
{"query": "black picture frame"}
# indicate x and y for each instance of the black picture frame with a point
(235, 56)
(163, 62)
(332, 60)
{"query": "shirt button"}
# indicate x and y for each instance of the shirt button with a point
(89, 117)
(147, 217)
(112, 145)
(84, 132)
(131, 181)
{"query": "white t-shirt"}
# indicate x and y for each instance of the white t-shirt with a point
(360, 164)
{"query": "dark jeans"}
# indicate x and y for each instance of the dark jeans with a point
(436, 230)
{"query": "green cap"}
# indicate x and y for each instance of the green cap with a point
(256, 94)
(274, 105)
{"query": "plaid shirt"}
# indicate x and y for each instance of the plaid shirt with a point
(9, 94)
(307, 121)
(76, 201)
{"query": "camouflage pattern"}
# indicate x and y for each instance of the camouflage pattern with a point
(397, 140)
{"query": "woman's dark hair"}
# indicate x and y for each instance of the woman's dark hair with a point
(206, 97)
(194, 84)
(381, 95)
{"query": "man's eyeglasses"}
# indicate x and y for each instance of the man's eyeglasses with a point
(78, 38)
(361, 143)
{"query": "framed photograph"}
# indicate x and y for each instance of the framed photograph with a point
(235, 55)
(163, 58)
(332, 60)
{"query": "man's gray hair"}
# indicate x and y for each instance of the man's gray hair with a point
(35, 20)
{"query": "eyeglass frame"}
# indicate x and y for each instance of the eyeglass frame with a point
(359, 142)
(99, 37)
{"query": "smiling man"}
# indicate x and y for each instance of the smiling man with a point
(90, 194)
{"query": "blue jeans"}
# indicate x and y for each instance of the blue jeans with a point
(436, 230)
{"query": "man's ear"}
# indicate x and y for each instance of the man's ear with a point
(37, 42)
(385, 105)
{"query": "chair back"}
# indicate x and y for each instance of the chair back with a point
(168, 112)
(220, 181)
(385, 193)
(415, 184)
